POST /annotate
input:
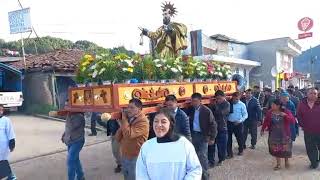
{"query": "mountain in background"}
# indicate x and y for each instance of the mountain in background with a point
(48, 44)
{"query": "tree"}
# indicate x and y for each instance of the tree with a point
(48, 44)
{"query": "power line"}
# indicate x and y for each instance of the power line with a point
(69, 32)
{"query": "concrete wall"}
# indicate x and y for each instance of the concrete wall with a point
(238, 51)
(264, 52)
(37, 89)
(270, 53)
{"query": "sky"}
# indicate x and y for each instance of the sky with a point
(115, 23)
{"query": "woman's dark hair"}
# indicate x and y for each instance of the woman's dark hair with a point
(168, 113)
(279, 103)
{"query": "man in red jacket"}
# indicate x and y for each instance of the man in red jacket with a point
(308, 116)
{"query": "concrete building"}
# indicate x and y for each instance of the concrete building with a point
(223, 49)
(47, 77)
(273, 53)
(308, 63)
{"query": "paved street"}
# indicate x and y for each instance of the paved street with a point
(36, 137)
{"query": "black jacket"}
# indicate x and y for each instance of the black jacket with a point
(221, 112)
(111, 125)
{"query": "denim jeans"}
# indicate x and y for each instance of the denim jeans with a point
(201, 146)
(129, 168)
(221, 144)
(73, 160)
(115, 150)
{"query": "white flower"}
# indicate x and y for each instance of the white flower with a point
(129, 62)
(102, 70)
(179, 68)
(98, 57)
(220, 74)
(156, 60)
(158, 65)
(93, 66)
(175, 70)
(94, 74)
(124, 69)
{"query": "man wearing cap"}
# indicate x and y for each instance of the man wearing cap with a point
(285, 99)
(220, 109)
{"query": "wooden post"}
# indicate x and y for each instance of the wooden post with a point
(53, 86)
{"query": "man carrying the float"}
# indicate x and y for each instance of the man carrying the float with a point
(171, 37)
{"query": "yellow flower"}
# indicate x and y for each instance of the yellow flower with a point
(88, 57)
(130, 69)
(85, 63)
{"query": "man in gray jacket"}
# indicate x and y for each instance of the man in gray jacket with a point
(73, 137)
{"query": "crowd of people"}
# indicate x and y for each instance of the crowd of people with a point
(177, 143)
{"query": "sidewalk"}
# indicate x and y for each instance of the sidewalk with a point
(36, 137)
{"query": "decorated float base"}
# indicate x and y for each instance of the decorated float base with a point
(112, 98)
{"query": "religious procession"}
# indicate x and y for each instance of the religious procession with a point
(183, 110)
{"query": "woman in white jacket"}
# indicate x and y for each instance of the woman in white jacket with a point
(168, 156)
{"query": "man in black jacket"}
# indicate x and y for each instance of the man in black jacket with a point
(203, 130)
(182, 125)
(220, 110)
(254, 118)
(258, 94)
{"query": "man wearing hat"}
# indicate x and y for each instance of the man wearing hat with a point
(285, 99)
(220, 109)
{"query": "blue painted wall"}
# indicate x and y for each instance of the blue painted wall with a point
(302, 63)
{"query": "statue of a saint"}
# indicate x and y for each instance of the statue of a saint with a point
(171, 37)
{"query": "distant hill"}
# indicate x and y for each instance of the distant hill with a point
(48, 44)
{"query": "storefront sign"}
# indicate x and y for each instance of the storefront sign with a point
(305, 24)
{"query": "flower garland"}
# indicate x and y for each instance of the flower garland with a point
(122, 67)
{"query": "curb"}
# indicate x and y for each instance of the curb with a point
(62, 120)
